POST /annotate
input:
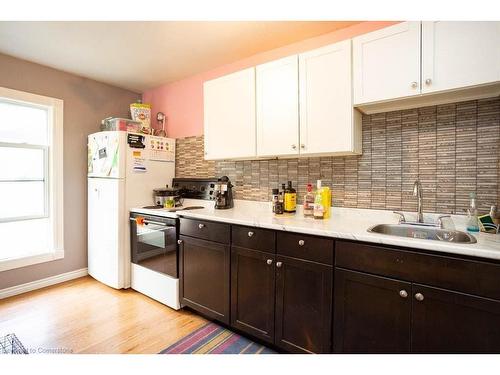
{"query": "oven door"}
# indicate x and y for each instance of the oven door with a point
(154, 243)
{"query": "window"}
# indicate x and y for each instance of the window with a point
(31, 175)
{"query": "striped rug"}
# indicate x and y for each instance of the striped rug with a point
(214, 339)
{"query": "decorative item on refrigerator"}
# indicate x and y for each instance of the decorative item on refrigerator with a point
(142, 112)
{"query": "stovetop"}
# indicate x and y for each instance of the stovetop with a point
(195, 188)
(174, 209)
(191, 188)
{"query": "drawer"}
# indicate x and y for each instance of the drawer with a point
(316, 249)
(207, 230)
(253, 238)
(469, 276)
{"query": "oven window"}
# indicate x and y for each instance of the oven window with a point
(155, 248)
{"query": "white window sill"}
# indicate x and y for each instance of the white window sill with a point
(10, 264)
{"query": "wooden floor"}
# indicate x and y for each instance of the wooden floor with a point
(85, 316)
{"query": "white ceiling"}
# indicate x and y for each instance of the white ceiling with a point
(142, 55)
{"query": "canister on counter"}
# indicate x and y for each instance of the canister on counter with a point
(279, 206)
(274, 199)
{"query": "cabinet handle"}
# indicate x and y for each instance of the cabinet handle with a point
(301, 242)
(250, 234)
(302, 146)
(278, 264)
(428, 81)
(419, 297)
(294, 147)
(269, 262)
(179, 242)
(414, 84)
(403, 293)
(201, 226)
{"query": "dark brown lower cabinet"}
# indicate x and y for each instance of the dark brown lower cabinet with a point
(252, 292)
(451, 322)
(375, 314)
(287, 301)
(372, 314)
(303, 305)
(204, 268)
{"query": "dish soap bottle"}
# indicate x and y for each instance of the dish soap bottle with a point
(472, 220)
(309, 202)
(326, 197)
(290, 198)
(319, 210)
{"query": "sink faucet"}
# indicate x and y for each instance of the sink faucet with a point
(417, 192)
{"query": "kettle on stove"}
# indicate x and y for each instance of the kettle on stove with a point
(223, 193)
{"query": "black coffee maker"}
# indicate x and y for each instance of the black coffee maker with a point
(223, 193)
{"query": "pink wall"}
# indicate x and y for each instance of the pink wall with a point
(182, 101)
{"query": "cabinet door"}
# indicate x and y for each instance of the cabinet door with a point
(303, 305)
(252, 292)
(372, 314)
(386, 63)
(229, 116)
(451, 322)
(278, 107)
(325, 90)
(204, 277)
(459, 54)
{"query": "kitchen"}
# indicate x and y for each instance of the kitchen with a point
(335, 191)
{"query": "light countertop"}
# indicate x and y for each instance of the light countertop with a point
(345, 223)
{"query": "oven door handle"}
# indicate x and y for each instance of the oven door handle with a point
(154, 222)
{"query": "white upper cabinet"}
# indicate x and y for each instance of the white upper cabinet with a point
(387, 63)
(459, 54)
(278, 108)
(229, 116)
(327, 118)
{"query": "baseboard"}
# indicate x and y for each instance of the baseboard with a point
(42, 283)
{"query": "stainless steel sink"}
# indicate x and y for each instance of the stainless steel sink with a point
(423, 232)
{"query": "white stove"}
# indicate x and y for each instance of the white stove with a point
(153, 242)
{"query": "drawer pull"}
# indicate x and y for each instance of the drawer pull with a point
(403, 293)
(278, 264)
(250, 234)
(201, 226)
(269, 262)
(179, 242)
(419, 297)
(301, 242)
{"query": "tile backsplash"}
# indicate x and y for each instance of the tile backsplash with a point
(454, 149)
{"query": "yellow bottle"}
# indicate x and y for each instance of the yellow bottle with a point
(290, 199)
(322, 201)
(326, 198)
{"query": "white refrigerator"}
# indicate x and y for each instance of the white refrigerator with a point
(123, 170)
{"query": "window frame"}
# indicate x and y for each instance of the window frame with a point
(45, 180)
(53, 165)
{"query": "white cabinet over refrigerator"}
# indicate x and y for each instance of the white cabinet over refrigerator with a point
(123, 170)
